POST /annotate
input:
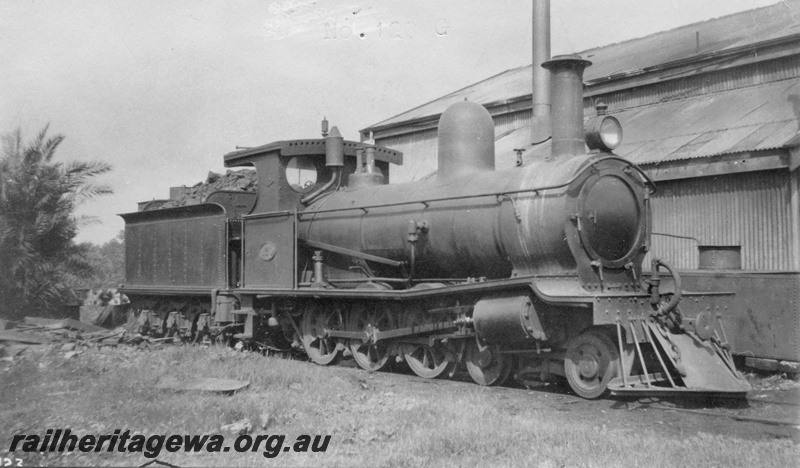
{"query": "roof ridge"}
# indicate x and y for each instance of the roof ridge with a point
(692, 25)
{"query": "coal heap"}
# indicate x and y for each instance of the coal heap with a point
(243, 180)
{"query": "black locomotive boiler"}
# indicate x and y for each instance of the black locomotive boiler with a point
(535, 270)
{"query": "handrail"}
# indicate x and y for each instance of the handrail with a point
(366, 208)
(676, 236)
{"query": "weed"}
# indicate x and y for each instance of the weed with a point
(397, 423)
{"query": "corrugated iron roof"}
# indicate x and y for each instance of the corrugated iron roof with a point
(706, 37)
(757, 118)
(635, 56)
(761, 117)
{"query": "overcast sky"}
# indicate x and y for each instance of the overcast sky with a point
(162, 89)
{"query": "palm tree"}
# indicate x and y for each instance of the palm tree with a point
(38, 198)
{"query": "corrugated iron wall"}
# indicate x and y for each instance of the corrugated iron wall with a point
(795, 212)
(696, 85)
(419, 154)
(749, 209)
(507, 122)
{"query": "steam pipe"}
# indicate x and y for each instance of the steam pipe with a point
(308, 199)
(541, 123)
(676, 297)
(334, 158)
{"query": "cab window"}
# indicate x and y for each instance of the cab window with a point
(301, 173)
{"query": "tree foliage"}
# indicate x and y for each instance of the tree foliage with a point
(107, 263)
(38, 197)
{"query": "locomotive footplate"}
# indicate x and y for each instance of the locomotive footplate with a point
(671, 350)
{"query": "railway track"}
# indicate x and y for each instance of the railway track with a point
(765, 412)
(736, 417)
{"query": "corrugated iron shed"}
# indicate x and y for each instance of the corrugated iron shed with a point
(712, 129)
(760, 117)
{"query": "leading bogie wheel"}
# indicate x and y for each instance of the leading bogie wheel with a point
(486, 365)
(320, 348)
(590, 363)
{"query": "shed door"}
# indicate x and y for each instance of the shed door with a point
(269, 251)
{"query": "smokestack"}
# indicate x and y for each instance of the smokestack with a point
(541, 125)
(566, 72)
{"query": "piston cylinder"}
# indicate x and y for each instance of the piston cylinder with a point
(507, 318)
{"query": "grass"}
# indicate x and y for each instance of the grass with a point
(373, 422)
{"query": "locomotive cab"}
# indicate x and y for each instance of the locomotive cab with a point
(289, 170)
(290, 175)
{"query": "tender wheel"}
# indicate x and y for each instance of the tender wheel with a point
(426, 361)
(321, 349)
(591, 362)
(487, 366)
(371, 357)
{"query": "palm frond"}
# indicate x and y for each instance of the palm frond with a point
(12, 145)
(86, 220)
(38, 197)
(88, 192)
(87, 169)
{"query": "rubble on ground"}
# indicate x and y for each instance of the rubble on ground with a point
(68, 337)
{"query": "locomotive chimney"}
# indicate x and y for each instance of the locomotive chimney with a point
(541, 124)
(566, 73)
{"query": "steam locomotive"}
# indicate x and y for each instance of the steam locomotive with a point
(534, 270)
